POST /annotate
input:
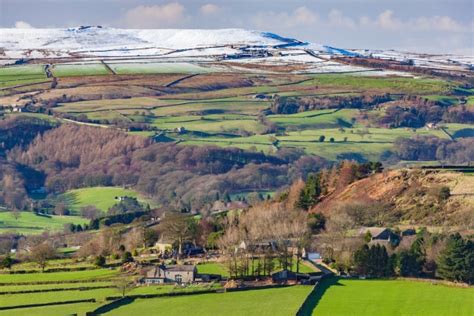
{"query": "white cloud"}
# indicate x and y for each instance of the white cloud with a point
(301, 16)
(387, 20)
(337, 19)
(439, 23)
(22, 25)
(304, 16)
(209, 9)
(155, 16)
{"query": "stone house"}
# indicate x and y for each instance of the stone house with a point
(160, 274)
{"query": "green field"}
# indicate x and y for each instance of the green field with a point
(26, 70)
(101, 197)
(280, 301)
(212, 268)
(229, 116)
(56, 263)
(87, 275)
(157, 68)
(29, 223)
(333, 297)
(379, 297)
(394, 85)
(459, 130)
(21, 75)
(72, 291)
(65, 70)
(316, 119)
(370, 142)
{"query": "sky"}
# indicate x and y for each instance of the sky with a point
(431, 26)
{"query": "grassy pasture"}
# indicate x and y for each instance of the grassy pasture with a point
(133, 104)
(68, 70)
(17, 81)
(101, 197)
(33, 287)
(244, 107)
(419, 86)
(158, 68)
(21, 75)
(55, 310)
(459, 130)
(56, 263)
(369, 142)
(98, 294)
(280, 301)
(86, 275)
(29, 223)
(391, 297)
(71, 294)
(206, 124)
(316, 119)
(22, 70)
(212, 268)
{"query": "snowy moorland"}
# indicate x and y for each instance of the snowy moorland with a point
(229, 46)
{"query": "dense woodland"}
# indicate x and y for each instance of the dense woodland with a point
(433, 148)
(188, 175)
(416, 112)
(291, 105)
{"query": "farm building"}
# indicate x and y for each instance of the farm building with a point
(377, 233)
(170, 274)
(380, 235)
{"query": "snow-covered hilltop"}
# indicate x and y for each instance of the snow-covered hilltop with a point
(96, 40)
(89, 43)
(99, 38)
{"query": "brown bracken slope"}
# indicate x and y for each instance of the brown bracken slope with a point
(411, 196)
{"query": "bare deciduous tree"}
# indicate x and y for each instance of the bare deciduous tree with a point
(42, 253)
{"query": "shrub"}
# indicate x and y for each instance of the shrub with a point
(127, 257)
(456, 262)
(99, 261)
(6, 262)
(444, 193)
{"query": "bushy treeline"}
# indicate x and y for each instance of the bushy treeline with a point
(291, 105)
(407, 111)
(416, 112)
(434, 148)
(73, 156)
(454, 262)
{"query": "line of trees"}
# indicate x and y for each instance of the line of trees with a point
(267, 236)
(426, 255)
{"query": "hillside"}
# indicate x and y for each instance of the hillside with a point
(411, 196)
(87, 44)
